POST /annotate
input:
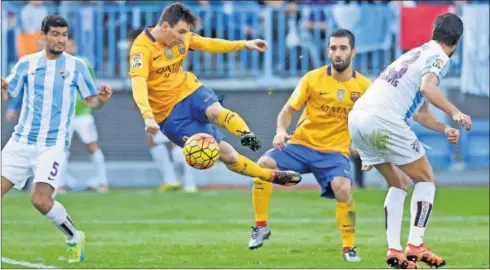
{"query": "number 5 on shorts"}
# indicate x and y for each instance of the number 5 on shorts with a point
(54, 171)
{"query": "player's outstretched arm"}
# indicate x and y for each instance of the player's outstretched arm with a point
(5, 86)
(216, 45)
(428, 120)
(102, 97)
(430, 90)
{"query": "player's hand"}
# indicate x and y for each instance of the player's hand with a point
(462, 119)
(257, 45)
(105, 93)
(151, 126)
(10, 115)
(5, 86)
(452, 135)
(280, 140)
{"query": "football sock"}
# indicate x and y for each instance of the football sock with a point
(187, 177)
(420, 210)
(98, 160)
(232, 122)
(261, 197)
(346, 219)
(162, 159)
(60, 218)
(249, 168)
(395, 198)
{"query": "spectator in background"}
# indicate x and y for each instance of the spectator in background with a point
(31, 17)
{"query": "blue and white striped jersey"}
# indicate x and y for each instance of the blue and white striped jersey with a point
(48, 103)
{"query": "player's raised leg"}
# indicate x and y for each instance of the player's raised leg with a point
(234, 124)
(420, 171)
(238, 163)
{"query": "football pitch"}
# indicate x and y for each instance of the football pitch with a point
(211, 229)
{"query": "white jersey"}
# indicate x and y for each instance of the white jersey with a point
(48, 103)
(395, 94)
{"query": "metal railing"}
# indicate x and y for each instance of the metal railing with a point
(297, 40)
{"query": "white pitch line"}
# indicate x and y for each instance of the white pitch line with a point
(246, 221)
(28, 264)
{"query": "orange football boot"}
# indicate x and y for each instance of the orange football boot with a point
(423, 254)
(397, 259)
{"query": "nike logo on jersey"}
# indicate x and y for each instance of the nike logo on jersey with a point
(323, 93)
(156, 57)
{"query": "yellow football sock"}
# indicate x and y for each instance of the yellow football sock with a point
(346, 218)
(232, 122)
(249, 168)
(261, 198)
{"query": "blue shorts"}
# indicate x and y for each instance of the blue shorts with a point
(324, 165)
(188, 117)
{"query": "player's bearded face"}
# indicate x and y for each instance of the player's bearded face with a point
(56, 40)
(340, 53)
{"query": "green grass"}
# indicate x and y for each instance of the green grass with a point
(144, 229)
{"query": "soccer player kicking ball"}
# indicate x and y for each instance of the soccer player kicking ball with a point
(320, 143)
(379, 130)
(175, 101)
(49, 80)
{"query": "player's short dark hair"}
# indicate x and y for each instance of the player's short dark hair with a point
(175, 13)
(447, 29)
(53, 21)
(344, 33)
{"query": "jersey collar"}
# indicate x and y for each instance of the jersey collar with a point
(329, 71)
(149, 35)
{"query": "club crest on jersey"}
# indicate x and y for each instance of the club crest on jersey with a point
(169, 53)
(354, 96)
(340, 94)
(181, 48)
(137, 60)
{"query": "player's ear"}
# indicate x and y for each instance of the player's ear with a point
(353, 52)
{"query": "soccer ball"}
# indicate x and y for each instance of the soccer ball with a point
(201, 151)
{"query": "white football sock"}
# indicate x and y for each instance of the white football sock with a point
(98, 160)
(395, 198)
(187, 177)
(60, 218)
(162, 159)
(420, 209)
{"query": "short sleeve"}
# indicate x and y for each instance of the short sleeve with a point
(300, 94)
(85, 82)
(436, 64)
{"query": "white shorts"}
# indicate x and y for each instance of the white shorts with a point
(380, 141)
(84, 126)
(160, 138)
(21, 161)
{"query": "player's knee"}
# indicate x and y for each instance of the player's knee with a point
(342, 188)
(267, 162)
(424, 176)
(41, 201)
(92, 147)
(213, 111)
(228, 155)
